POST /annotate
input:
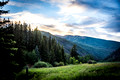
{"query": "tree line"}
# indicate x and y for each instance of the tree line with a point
(45, 48)
(33, 46)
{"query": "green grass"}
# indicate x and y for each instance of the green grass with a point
(99, 71)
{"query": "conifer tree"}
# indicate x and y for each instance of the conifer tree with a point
(37, 53)
(74, 52)
(25, 34)
(3, 22)
(29, 39)
(63, 55)
(8, 49)
(36, 35)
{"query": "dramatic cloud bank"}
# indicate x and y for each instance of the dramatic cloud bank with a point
(94, 18)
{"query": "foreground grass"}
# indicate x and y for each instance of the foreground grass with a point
(99, 71)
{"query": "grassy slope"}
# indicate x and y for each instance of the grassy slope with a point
(99, 71)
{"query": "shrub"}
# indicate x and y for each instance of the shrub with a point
(58, 64)
(41, 64)
(61, 64)
(91, 62)
(49, 65)
(76, 62)
(72, 60)
(80, 62)
(85, 59)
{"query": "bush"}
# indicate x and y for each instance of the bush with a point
(92, 62)
(49, 65)
(61, 64)
(72, 60)
(84, 59)
(80, 62)
(76, 62)
(41, 64)
(58, 64)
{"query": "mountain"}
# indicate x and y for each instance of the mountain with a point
(66, 44)
(115, 56)
(99, 48)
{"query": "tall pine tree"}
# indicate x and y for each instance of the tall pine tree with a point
(7, 47)
(74, 52)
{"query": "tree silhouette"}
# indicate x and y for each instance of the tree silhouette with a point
(74, 52)
(7, 48)
(3, 22)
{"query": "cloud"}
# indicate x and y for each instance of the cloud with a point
(105, 5)
(93, 30)
(46, 24)
(51, 26)
(79, 13)
(84, 26)
(103, 10)
(71, 9)
(58, 1)
(51, 29)
(56, 27)
(19, 4)
(108, 7)
(67, 6)
(91, 22)
(93, 18)
(28, 17)
(114, 24)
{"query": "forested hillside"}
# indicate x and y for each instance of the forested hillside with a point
(66, 44)
(97, 47)
(115, 56)
(46, 48)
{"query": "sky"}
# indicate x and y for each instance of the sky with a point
(92, 18)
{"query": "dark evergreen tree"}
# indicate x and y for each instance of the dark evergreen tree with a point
(19, 38)
(37, 53)
(36, 35)
(44, 50)
(52, 56)
(7, 47)
(58, 52)
(8, 51)
(74, 52)
(50, 43)
(25, 34)
(3, 21)
(30, 39)
(63, 55)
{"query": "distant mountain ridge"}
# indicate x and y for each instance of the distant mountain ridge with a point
(98, 47)
(66, 44)
(115, 56)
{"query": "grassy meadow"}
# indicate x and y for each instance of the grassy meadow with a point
(99, 71)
